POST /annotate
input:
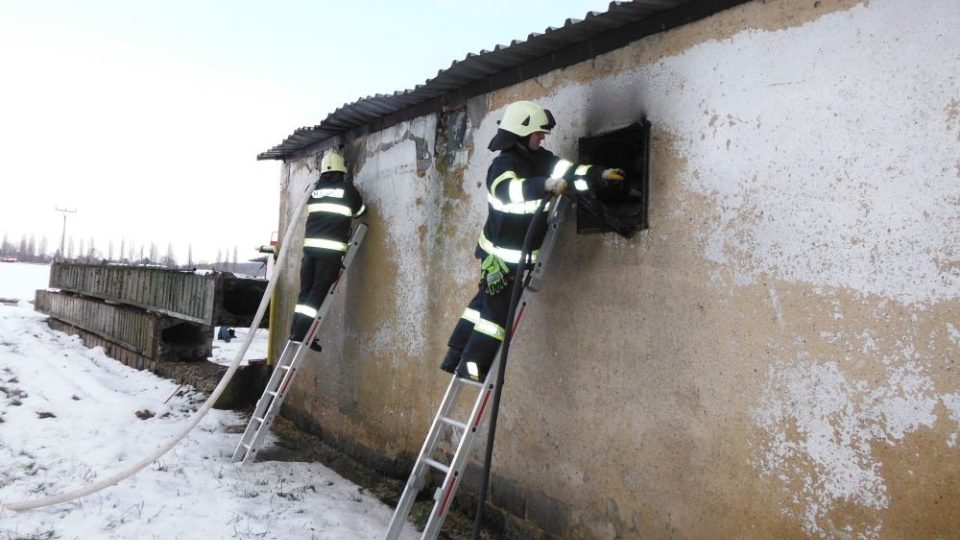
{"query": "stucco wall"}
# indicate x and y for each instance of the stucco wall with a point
(776, 357)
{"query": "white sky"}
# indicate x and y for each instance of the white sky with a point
(69, 418)
(147, 117)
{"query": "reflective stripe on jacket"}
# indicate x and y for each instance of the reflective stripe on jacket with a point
(515, 188)
(333, 203)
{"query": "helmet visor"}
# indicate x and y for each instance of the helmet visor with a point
(551, 123)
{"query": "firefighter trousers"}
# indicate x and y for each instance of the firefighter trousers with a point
(480, 331)
(318, 271)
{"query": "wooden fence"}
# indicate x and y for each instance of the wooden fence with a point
(211, 299)
(144, 315)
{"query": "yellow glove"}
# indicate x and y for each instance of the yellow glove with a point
(613, 175)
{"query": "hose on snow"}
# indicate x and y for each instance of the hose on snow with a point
(201, 412)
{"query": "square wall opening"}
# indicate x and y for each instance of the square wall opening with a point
(619, 207)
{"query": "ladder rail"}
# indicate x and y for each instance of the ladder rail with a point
(276, 401)
(414, 482)
(270, 402)
(517, 306)
(262, 404)
(443, 497)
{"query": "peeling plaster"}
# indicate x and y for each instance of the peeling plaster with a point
(850, 206)
(816, 179)
(952, 404)
(391, 162)
(790, 163)
(953, 333)
(821, 427)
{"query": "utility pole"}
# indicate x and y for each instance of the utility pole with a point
(63, 235)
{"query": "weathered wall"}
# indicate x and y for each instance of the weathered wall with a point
(776, 357)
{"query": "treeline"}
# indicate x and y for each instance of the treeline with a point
(27, 250)
(31, 249)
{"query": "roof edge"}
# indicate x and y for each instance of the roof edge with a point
(576, 41)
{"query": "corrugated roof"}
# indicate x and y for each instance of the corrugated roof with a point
(477, 73)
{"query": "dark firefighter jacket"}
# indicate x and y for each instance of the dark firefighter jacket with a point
(333, 203)
(515, 188)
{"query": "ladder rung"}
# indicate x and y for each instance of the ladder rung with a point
(469, 382)
(436, 465)
(289, 359)
(454, 423)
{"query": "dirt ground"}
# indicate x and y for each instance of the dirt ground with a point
(297, 445)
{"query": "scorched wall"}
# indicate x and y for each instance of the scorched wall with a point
(775, 357)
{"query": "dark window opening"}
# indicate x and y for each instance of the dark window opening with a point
(619, 207)
(184, 334)
(237, 302)
(243, 298)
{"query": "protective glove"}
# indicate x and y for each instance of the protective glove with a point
(613, 175)
(556, 185)
(495, 273)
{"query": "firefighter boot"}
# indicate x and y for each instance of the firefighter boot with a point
(473, 369)
(451, 360)
(314, 345)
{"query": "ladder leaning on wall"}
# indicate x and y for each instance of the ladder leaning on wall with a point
(453, 472)
(268, 407)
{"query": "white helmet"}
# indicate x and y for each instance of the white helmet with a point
(521, 119)
(525, 117)
(332, 161)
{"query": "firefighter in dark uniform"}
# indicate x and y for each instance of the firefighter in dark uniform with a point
(333, 203)
(517, 180)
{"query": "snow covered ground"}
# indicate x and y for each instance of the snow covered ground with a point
(70, 416)
(224, 353)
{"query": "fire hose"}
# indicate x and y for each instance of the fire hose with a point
(201, 412)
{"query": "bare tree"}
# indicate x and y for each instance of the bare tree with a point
(169, 259)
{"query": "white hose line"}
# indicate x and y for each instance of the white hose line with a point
(107, 482)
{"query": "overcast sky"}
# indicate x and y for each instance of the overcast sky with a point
(147, 117)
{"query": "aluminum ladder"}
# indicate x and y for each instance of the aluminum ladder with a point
(268, 407)
(443, 496)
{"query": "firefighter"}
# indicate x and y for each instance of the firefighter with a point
(333, 203)
(517, 180)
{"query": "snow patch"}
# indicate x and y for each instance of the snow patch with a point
(70, 415)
